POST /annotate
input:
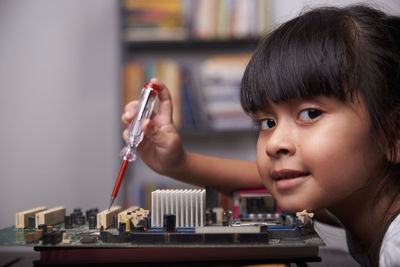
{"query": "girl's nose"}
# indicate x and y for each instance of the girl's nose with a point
(280, 142)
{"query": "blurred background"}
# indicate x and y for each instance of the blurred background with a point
(68, 67)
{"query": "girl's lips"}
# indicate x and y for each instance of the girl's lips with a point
(287, 174)
(289, 183)
(286, 179)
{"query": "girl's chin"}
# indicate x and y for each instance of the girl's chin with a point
(293, 207)
(289, 204)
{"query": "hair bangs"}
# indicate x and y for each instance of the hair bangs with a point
(300, 59)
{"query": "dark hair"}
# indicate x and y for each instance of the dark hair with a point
(334, 52)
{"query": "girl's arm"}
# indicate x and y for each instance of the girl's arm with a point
(227, 175)
(162, 150)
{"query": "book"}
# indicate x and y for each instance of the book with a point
(204, 95)
(132, 81)
(204, 19)
(178, 20)
(228, 19)
(220, 86)
(169, 72)
(137, 73)
(154, 20)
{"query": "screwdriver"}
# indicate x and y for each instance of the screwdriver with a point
(144, 109)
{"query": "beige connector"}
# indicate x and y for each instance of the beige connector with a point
(105, 218)
(50, 217)
(304, 216)
(123, 215)
(134, 214)
(21, 218)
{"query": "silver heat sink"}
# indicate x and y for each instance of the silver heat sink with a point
(187, 205)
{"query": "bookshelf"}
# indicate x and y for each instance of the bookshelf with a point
(199, 49)
(189, 45)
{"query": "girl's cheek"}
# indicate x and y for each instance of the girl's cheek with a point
(262, 163)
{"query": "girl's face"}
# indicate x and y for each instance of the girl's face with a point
(316, 152)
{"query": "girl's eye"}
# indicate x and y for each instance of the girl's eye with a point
(309, 114)
(267, 124)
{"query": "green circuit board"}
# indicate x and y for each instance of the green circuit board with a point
(82, 236)
(282, 238)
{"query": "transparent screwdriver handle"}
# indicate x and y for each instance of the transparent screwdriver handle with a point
(144, 109)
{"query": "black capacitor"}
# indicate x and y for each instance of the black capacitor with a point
(75, 215)
(213, 217)
(43, 227)
(169, 223)
(68, 222)
(72, 215)
(92, 222)
(79, 220)
(91, 212)
(145, 222)
(211, 197)
(263, 228)
(47, 238)
(148, 225)
(78, 211)
(122, 227)
(57, 237)
(115, 221)
(31, 222)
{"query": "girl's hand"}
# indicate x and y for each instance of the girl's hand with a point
(161, 148)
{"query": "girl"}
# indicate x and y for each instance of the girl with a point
(325, 90)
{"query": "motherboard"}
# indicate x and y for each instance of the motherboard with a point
(178, 220)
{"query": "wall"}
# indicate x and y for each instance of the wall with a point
(59, 104)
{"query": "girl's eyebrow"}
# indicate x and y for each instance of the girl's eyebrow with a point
(262, 112)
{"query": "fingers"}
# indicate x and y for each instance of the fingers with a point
(125, 135)
(164, 112)
(156, 134)
(149, 129)
(163, 92)
(165, 103)
(131, 105)
(130, 108)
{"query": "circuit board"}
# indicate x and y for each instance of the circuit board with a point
(82, 236)
(180, 227)
(275, 245)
